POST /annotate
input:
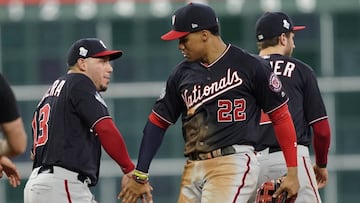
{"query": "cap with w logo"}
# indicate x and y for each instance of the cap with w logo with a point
(191, 18)
(90, 47)
(273, 24)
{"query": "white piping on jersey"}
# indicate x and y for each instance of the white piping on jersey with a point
(278, 106)
(162, 118)
(269, 121)
(226, 50)
(318, 119)
(97, 121)
(99, 98)
(310, 123)
(265, 123)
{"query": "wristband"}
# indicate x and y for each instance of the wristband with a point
(140, 177)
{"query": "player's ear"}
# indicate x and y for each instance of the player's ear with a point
(205, 35)
(81, 63)
(283, 39)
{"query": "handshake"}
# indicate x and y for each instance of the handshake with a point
(135, 185)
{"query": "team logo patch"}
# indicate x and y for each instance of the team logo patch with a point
(274, 83)
(286, 24)
(83, 52)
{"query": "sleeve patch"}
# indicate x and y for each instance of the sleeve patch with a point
(274, 83)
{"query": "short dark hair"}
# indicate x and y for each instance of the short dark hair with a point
(270, 42)
(214, 30)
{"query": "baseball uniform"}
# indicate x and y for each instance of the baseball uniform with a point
(225, 100)
(305, 105)
(67, 131)
(63, 139)
(218, 92)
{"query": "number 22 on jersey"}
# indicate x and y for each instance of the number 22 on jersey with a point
(230, 111)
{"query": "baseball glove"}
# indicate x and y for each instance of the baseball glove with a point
(267, 189)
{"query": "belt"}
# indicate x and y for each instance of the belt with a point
(213, 154)
(50, 169)
(274, 149)
(277, 149)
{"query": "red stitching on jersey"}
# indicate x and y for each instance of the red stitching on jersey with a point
(311, 183)
(67, 191)
(243, 179)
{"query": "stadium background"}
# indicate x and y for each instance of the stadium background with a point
(35, 35)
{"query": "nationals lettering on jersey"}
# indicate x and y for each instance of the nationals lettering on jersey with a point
(305, 105)
(198, 95)
(63, 121)
(223, 99)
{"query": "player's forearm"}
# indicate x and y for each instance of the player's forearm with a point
(285, 134)
(292, 172)
(151, 141)
(16, 139)
(4, 148)
(321, 141)
(113, 143)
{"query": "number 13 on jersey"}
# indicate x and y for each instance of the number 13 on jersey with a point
(40, 132)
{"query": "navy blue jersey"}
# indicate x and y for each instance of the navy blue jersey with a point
(8, 107)
(223, 99)
(305, 102)
(63, 123)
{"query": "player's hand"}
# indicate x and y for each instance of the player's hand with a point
(125, 179)
(32, 156)
(289, 184)
(9, 168)
(133, 191)
(321, 175)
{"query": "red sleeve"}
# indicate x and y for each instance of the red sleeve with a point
(156, 120)
(285, 134)
(321, 141)
(113, 143)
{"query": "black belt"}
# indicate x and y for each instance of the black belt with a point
(213, 154)
(80, 177)
(274, 149)
(277, 149)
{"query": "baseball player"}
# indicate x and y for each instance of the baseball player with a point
(275, 35)
(13, 131)
(70, 124)
(218, 90)
(11, 123)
